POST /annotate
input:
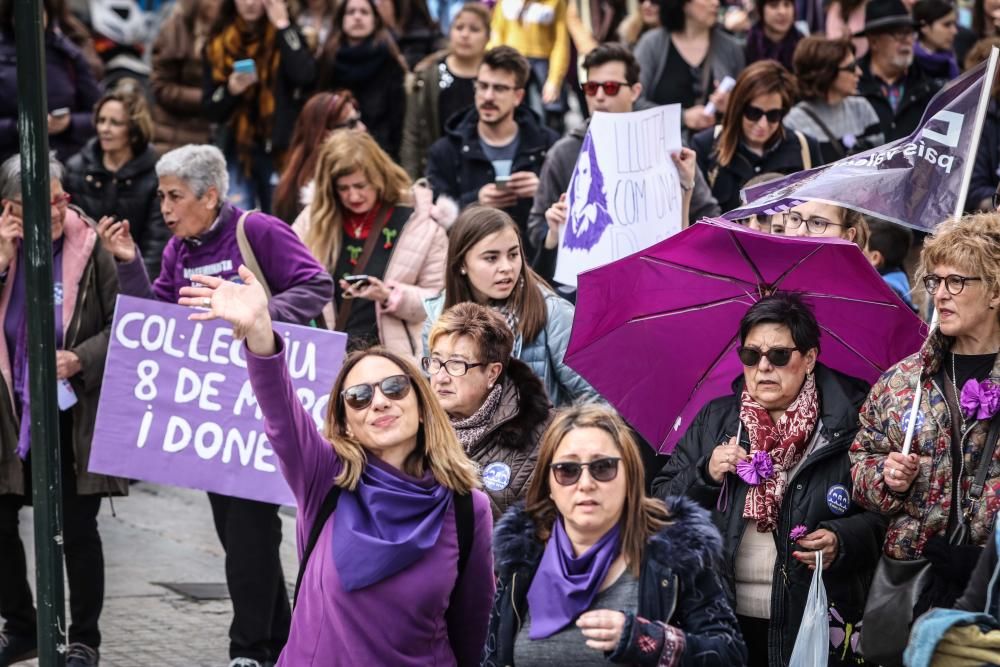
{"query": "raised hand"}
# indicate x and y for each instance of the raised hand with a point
(116, 238)
(242, 306)
(11, 234)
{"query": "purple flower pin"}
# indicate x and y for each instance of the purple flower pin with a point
(981, 399)
(757, 469)
(797, 533)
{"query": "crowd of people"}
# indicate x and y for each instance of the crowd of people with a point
(398, 171)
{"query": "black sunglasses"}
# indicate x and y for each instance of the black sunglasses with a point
(360, 396)
(611, 88)
(601, 470)
(778, 356)
(754, 114)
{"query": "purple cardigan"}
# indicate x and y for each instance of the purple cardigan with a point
(399, 621)
(300, 286)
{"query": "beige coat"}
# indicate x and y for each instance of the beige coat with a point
(415, 271)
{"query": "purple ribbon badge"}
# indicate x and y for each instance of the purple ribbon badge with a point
(981, 399)
(757, 469)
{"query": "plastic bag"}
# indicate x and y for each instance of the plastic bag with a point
(812, 645)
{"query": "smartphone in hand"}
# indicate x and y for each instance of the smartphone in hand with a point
(247, 66)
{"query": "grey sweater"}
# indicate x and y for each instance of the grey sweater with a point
(855, 116)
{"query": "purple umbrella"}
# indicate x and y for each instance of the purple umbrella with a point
(656, 332)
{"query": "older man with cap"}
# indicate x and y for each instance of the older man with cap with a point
(898, 88)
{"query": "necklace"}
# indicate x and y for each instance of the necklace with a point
(360, 229)
(954, 383)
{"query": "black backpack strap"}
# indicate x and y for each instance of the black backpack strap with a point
(325, 512)
(465, 527)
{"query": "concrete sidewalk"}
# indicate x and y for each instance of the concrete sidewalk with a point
(162, 534)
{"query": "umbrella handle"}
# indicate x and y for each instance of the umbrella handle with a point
(722, 503)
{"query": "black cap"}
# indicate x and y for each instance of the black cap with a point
(885, 15)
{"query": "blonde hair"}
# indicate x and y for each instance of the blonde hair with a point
(437, 450)
(641, 517)
(343, 154)
(971, 243)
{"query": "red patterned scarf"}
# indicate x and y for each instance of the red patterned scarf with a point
(785, 441)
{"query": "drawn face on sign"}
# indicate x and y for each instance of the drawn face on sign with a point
(588, 215)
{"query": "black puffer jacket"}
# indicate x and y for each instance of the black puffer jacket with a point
(507, 452)
(818, 496)
(918, 89)
(678, 585)
(129, 193)
(458, 167)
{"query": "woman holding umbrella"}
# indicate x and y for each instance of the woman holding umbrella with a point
(771, 461)
(927, 493)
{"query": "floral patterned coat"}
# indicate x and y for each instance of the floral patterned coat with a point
(922, 512)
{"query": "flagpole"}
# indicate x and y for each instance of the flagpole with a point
(977, 130)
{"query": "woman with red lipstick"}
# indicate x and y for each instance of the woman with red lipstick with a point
(930, 494)
(752, 139)
(381, 238)
(591, 570)
(771, 462)
(486, 265)
(115, 173)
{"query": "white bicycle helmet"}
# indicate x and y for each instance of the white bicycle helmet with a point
(122, 21)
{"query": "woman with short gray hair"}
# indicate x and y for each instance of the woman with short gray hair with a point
(83, 273)
(193, 183)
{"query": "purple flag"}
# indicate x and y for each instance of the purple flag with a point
(176, 405)
(915, 181)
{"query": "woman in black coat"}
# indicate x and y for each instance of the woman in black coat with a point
(115, 173)
(752, 139)
(360, 55)
(798, 419)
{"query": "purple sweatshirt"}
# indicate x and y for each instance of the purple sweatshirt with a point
(398, 621)
(300, 286)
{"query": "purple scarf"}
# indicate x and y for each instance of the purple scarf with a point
(16, 323)
(386, 524)
(564, 585)
(759, 47)
(938, 63)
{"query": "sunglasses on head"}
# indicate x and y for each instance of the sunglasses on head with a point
(754, 114)
(569, 472)
(611, 88)
(778, 356)
(360, 396)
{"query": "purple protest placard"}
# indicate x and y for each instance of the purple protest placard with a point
(177, 408)
(918, 181)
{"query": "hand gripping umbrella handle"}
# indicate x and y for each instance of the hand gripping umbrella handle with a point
(722, 502)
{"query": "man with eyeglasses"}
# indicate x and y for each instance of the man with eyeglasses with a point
(612, 86)
(491, 154)
(898, 88)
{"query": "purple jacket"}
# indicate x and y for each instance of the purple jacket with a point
(300, 286)
(70, 83)
(399, 621)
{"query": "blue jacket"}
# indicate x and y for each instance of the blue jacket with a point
(678, 585)
(544, 355)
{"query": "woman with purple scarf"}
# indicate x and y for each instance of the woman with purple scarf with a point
(86, 287)
(774, 35)
(591, 570)
(771, 462)
(937, 27)
(396, 569)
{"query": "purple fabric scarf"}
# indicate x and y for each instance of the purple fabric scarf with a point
(938, 63)
(386, 524)
(759, 47)
(564, 585)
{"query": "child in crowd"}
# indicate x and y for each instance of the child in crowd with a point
(888, 246)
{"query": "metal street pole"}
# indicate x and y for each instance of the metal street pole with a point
(33, 135)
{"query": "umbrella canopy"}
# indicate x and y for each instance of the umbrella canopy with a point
(656, 332)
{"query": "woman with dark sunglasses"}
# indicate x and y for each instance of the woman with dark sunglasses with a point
(592, 570)
(771, 462)
(752, 139)
(385, 582)
(958, 371)
(496, 405)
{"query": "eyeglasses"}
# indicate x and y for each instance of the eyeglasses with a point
(901, 34)
(360, 396)
(498, 88)
(453, 367)
(954, 283)
(59, 200)
(814, 225)
(778, 356)
(611, 88)
(850, 67)
(754, 114)
(569, 472)
(349, 124)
